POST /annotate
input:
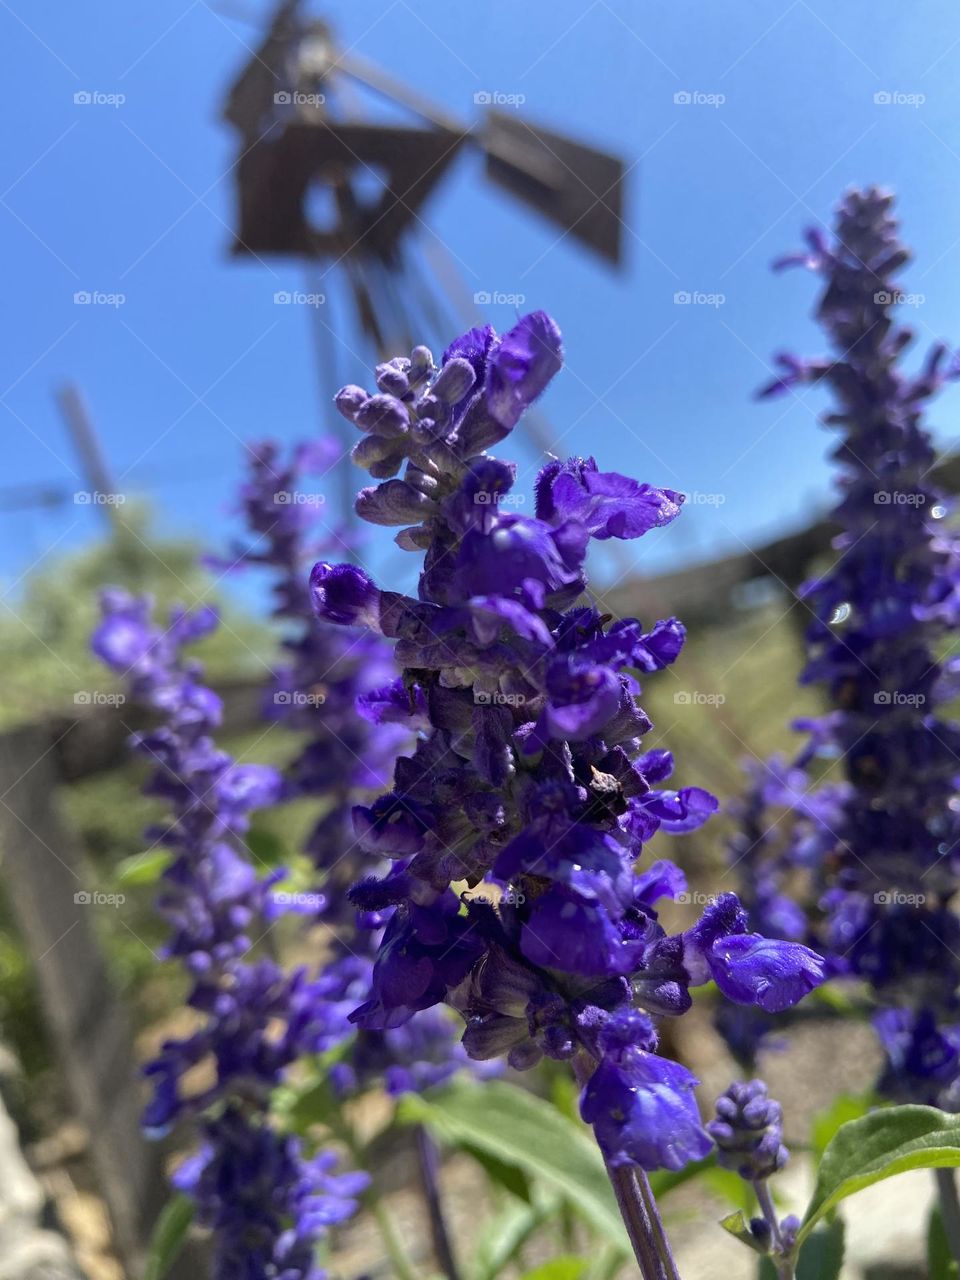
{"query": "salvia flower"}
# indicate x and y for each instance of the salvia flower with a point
(515, 824)
(339, 689)
(748, 1131)
(882, 840)
(268, 1203)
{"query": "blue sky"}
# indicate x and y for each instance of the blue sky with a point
(136, 199)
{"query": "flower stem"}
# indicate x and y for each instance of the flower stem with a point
(782, 1261)
(949, 1208)
(429, 1160)
(637, 1206)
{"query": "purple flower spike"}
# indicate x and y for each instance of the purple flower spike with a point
(874, 853)
(516, 823)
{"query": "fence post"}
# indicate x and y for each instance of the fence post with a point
(47, 891)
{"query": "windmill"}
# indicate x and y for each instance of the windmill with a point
(317, 181)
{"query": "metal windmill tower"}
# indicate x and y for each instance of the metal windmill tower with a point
(318, 181)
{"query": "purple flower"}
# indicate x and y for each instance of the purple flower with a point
(877, 846)
(642, 1107)
(747, 967)
(264, 1199)
(529, 785)
(748, 1131)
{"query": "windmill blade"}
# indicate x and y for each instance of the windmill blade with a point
(574, 186)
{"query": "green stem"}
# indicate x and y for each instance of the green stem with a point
(783, 1261)
(949, 1209)
(402, 1266)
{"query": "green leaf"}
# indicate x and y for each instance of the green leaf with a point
(878, 1146)
(608, 1264)
(509, 1176)
(141, 868)
(731, 1187)
(940, 1262)
(168, 1236)
(313, 1101)
(568, 1268)
(821, 1256)
(663, 1181)
(266, 846)
(506, 1233)
(737, 1225)
(520, 1129)
(846, 1107)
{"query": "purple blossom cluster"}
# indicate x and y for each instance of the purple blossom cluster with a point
(880, 843)
(514, 826)
(268, 1202)
(335, 691)
(748, 1131)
